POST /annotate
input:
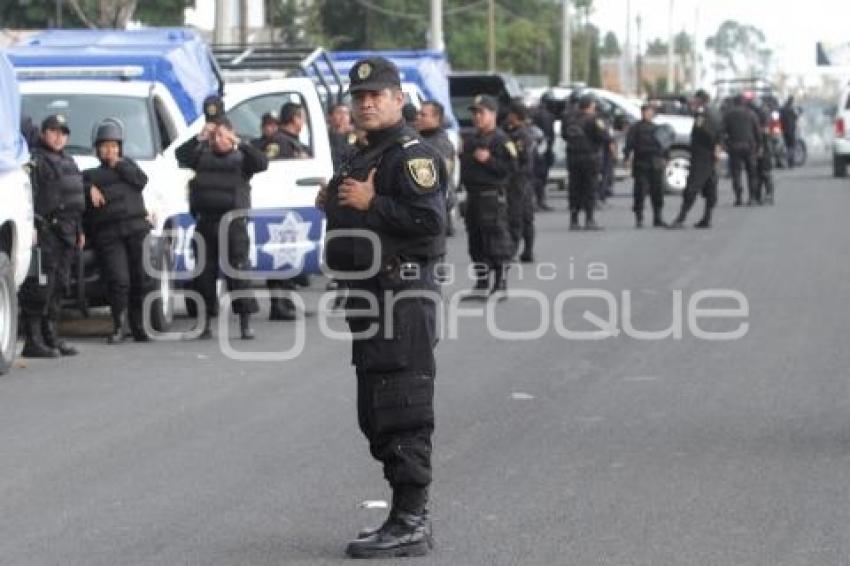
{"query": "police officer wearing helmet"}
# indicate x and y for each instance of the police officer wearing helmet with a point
(394, 190)
(117, 225)
(223, 166)
(487, 163)
(706, 136)
(586, 135)
(521, 192)
(59, 202)
(644, 143)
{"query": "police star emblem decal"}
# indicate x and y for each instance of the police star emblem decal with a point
(363, 71)
(289, 242)
(424, 173)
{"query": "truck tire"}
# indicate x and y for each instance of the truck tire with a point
(676, 171)
(839, 166)
(8, 314)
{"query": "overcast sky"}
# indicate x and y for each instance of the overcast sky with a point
(791, 32)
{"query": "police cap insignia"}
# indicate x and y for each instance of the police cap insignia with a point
(424, 173)
(211, 110)
(364, 70)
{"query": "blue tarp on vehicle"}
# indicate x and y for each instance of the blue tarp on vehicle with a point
(13, 148)
(176, 57)
(428, 69)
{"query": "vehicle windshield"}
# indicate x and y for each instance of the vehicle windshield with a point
(85, 111)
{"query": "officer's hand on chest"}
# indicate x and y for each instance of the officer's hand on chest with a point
(357, 194)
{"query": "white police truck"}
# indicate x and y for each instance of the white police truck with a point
(16, 216)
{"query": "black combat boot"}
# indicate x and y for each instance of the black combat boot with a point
(590, 223)
(51, 338)
(481, 287)
(706, 220)
(406, 532)
(500, 282)
(528, 247)
(574, 225)
(282, 308)
(638, 220)
(658, 220)
(118, 321)
(34, 346)
(206, 333)
(245, 329)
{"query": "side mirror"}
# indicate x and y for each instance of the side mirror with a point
(311, 182)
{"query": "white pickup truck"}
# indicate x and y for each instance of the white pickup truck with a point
(158, 114)
(16, 217)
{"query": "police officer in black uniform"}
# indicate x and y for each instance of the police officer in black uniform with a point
(487, 163)
(59, 202)
(291, 124)
(741, 136)
(117, 225)
(706, 136)
(586, 134)
(521, 191)
(430, 123)
(765, 157)
(643, 142)
(545, 155)
(271, 140)
(223, 166)
(393, 189)
(341, 135)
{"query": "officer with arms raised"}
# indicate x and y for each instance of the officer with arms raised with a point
(487, 163)
(393, 189)
(59, 201)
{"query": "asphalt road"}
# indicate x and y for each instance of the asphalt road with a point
(618, 451)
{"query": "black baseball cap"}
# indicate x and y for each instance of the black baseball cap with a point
(55, 122)
(269, 118)
(213, 107)
(373, 73)
(486, 102)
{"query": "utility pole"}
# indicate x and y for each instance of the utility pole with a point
(671, 79)
(639, 84)
(59, 13)
(695, 49)
(435, 39)
(628, 87)
(243, 22)
(491, 36)
(221, 33)
(566, 43)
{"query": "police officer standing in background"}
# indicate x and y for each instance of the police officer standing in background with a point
(223, 166)
(788, 116)
(545, 155)
(291, 124)
(741, 135)
(705, 151)
(487, 163)
(430, 124)
(586, 135)
(521, 191)
(341, 134)
(394, 189)
(271, 141)
(117, 224)
(59, 202)
(647, 167)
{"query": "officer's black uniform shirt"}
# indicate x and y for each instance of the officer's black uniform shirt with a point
(121, 187)
(741, 127)
(705, 136)
(496, 171)
(642, 141)
(273, 146)
(524, 143)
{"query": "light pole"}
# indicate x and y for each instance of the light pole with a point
(435, 40)
(566, 43)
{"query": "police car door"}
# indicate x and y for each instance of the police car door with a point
(286, 228)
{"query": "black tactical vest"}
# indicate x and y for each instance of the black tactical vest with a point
(59, 185)
(123, 201)
(219, 184)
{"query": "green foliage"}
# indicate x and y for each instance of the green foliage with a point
(610, 45)
(656, 47)
(740, 49)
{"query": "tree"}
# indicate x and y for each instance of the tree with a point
(610, 45)
(656, 48)
(91, 13)
(740, 49)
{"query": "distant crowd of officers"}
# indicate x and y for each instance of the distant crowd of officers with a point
(504, 170)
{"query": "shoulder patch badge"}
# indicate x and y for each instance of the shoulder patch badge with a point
(511, 147)
(600, 123)
(424, 172)
(272, 150)
(352, 138)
